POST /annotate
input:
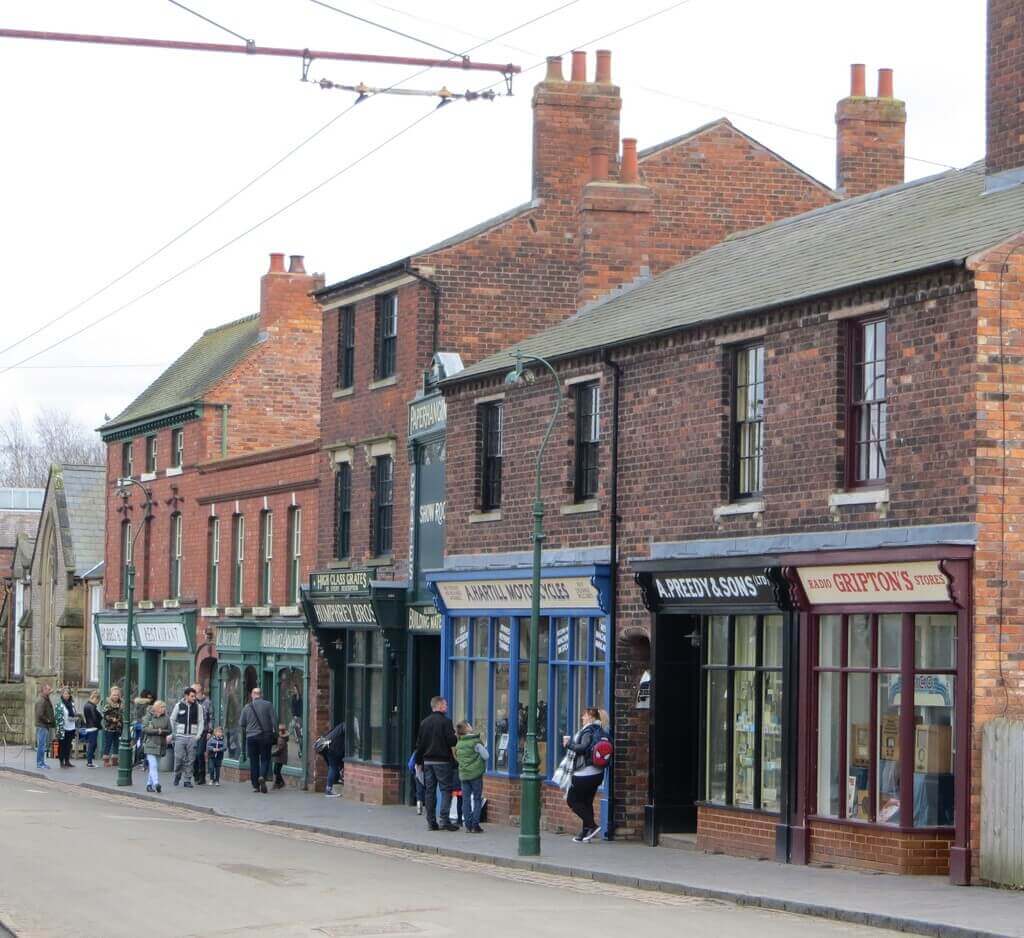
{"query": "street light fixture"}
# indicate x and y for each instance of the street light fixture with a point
(124, 751)
(529, 812)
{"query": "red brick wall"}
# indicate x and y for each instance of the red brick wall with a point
(372, 784)
(874, 848)
(738, 833)
(871, 133)
(1004, 145)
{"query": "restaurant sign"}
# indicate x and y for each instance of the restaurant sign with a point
(555, 593)
(170, 635)
(340, 581)
(915, 582)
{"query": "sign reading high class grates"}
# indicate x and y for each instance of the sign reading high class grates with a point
(340, 581)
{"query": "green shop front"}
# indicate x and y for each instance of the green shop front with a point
(272, 654)
(360, 626)
(163, 651)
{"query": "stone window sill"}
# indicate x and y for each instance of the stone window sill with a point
(172, 471)
(233, 612)
(388, 561)
(879, 497)
(145, 603)
(383, 382)
(482, 517)
(261, 612)
(209, 612)
(172, 604)
(288, 611)
(344, 392)
(753, 506)
(147, 477)
(580, 508)
(339, 564)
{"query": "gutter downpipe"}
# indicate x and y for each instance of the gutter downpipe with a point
(613, 590)
(436, 290)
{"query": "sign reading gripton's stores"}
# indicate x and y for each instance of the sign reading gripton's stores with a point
(340, 581)
(736, 587)
(915, 582)
(555, 593)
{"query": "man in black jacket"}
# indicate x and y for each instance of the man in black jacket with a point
(434, 744)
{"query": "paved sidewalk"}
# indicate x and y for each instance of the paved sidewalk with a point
(916, 904)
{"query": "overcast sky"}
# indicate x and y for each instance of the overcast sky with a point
(110, 152)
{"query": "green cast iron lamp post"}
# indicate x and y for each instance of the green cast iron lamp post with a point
(529, 812)
(124, 751)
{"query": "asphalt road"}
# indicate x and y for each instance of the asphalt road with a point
(80, 863)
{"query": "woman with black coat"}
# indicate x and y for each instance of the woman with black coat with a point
(586, 777)
(91, 728)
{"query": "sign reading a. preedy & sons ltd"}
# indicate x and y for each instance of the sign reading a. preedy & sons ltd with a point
(915, 582)
(742, 587)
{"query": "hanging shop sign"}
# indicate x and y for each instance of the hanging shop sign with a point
(555, 593)
(340, 581)
(915, 582)
(427, 415)
(424, 619)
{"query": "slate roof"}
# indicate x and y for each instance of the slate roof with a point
(13, 523)
(930, 222)
(185, 381)
(85, 501)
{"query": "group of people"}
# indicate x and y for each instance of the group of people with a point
(453, 758)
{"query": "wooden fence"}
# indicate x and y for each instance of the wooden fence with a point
(1002, 802)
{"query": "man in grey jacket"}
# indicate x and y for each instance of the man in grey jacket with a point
(257, 727)
(187, 724)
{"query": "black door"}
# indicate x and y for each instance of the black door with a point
(676, 718)
(424, 670)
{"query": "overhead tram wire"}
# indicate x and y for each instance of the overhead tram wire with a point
(259, 224)
(396, 32)
(206, 19)
(260, 176)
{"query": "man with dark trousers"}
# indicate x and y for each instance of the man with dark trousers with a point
(435, 743)
(257, 726)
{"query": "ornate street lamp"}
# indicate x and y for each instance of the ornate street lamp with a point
(529, 812)
(124, 751)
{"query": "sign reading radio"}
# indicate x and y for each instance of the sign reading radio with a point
(560, 593)
(916, 582)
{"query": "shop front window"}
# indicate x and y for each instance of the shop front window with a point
(116, 675)
(231, 709)
(743, 684)
(290, 682)
(365, 712)
(862, 670)
(177, 676)
(542, 690)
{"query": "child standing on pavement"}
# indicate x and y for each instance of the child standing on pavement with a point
(279, 753)
(215, 755)
(471, 756)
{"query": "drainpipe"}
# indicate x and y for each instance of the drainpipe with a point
(436, 291)
(224, 408)
(613, 591)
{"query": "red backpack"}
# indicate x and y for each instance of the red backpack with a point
(601, 750)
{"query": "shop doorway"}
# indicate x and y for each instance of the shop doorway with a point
(425, 674)
(675, 725)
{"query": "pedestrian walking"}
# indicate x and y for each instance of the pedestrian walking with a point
(156, 733)
(186, 727)
(279, 754)
(587, 772)
(257, 726)
(471, 756)
(199, 769)
(332, 748)
(66, 715)
(142, 706)
(435, 742)
(46, 723)
(215, 754)
(93, 723)
(113, 723)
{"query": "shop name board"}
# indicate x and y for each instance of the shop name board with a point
(340, 581)
(917, 582)
(738, 586)
(342, 613)
(424, 620)
(113, 633)
(555, 593)
(229, 638)
(162, 635)
(290, 639)
(428, 414)
(433, 513)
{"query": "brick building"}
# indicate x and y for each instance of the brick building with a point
(226, 443)
(19, 520)
(784, 474)
(600, 219)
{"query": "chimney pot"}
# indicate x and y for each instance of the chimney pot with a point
(277, 263)
(579, 66)
(296, 265)
(604, 67)
(598, 164)
(885, 83)
(554, 69)
(857, 81)
(630, 172)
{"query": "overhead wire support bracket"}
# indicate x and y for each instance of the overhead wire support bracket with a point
(364, 91)
(253, 49)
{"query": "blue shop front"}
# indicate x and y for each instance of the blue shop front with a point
(485, 668)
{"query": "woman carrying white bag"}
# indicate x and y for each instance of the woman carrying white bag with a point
(587, 755)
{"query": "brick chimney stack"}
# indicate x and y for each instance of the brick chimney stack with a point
(871, 136)
(1004, 90)
(569, 119)
(615, 225)
(284, 294)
